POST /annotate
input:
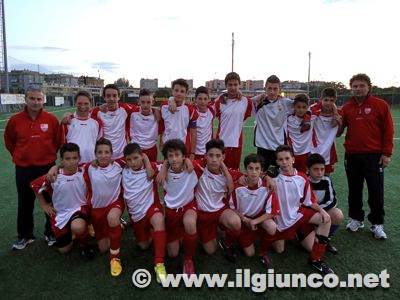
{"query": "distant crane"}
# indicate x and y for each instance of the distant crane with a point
(3, 48)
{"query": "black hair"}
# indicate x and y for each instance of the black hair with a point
(201, 90)
(284, 148)
(273, 79)
(328, 92)
(253, 158)
(144, 92)
(215, 143)
(301, 98)
(111, 86)
(232, 76)
(85, 94)
(68, 147)
(132, 148)
(181, 82)
(314, 159)
(173, 144)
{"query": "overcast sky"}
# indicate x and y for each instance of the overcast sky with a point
(167, 39)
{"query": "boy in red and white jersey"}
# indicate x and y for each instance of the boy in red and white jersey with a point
(299, 131)
(143, 203)
(232, 109)
(68, 211)
(82, 129)
(113, 115)
(256, 206)
(298, 207)
(212, 192)
(325, 128)
(180, 204)
(204, 121)
(180, 124)
(143, 124)
(106, 202)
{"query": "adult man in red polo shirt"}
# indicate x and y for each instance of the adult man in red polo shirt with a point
(31, 137)
(368, 148)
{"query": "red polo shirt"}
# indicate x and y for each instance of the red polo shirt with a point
(369, 126)
(32, 142)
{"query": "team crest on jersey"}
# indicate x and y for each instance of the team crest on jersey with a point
(44, 127)
(367, 110)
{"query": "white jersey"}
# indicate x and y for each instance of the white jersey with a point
(68, 194)
(325, 136)
(139, 192)
(176, 124)
(204, 130)
(293, 192)
(114, 123)
(211, 189)
(231, 116)
(179, 189)
(253, 202)
(270, 120)
(104, 184)
(84, 133)
(143, 130)
(301, 142)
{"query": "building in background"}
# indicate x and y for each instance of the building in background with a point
(215, 85)
(19, 80)
(150, 84)
(61, 79)
(253, 85)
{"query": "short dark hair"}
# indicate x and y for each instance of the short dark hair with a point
(111, 86)
(181, 82)
(144, 92)
(314, 159)
(361, 77)
(284, 148)
(85, 94)
(69, 147)
(215, 143)
(328, 92)
(103, 141)
(173, 144)
(301, 98)
(253, 158)
(232, 76)
(273, 79)
(132, 148)
(201, 90)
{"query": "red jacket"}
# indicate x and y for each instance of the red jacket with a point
(32, 142)
(369, 126)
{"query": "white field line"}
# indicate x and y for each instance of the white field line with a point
(53, 111)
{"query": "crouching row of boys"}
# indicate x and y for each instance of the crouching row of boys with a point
(201, 199)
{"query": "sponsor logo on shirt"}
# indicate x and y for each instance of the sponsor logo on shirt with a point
(44, 127)
(367, 110)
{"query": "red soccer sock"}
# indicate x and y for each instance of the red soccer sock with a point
(82, 238)
(159, 241)
(266, 244)
(189, 245)
(317, 251)
(115, 234)
(231, 236)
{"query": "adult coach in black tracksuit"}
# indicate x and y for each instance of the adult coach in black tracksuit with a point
(368, 148)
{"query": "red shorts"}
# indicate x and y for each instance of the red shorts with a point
(151, 153)
(232, 157)
(99, 218)
(290, 233)
(174, 221)
(247, 236)
(300, 162)
(64, 236)
(143, 228)
(207, 224)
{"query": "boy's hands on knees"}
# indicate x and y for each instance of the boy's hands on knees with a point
(325, 216)
(48, 209)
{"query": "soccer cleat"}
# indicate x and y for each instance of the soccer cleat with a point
(354, 225)
(266, 261)
(50, 240)
(161, 273)
(378, 232)
(332, 249)
(188, 267)
(228, 252)
(22, 243)
(116, 267)
(87, 252)
(321, 267)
